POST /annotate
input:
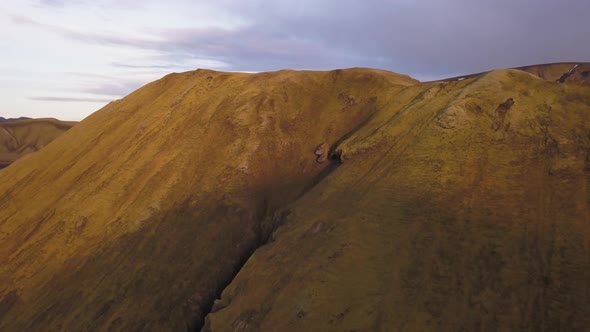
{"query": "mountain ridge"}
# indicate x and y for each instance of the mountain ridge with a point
(436, 208)
(558, 72)
(13, 119)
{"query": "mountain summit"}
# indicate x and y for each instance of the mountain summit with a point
(348, 200)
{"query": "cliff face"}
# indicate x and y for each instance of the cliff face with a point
(19, 137)
(359, 200)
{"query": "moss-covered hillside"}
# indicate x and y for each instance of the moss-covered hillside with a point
(446, 206)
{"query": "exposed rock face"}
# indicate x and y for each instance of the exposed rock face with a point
(451, 117)
(322, 152)
(500, 115)
(463, 206)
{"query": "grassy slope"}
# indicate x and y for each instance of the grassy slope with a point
(449, 212)
(21, 137)
(164, 194)
(445, 216)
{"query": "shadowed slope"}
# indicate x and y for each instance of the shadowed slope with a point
(461, 206)
(141, 222)
(19, 137)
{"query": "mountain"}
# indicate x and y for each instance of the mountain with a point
(565, 72)
(19, 137)
(13, 119)
(577, 73)
(348, 200)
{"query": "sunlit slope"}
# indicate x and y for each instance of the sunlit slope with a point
(136, 218)
(21, 137)
(461, 206)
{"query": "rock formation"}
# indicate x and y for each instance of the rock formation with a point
(322, 152)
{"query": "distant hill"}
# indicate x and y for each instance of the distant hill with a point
(346, 200)
(19, 137)
(575, 73)
(565, 72)
(13, 119)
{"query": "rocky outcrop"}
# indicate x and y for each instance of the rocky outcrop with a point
(322, 152)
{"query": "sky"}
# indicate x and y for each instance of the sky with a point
(68, 58)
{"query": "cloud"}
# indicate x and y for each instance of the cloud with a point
(92, 76)
(52, 3)
(71, 99)
(76, 34)
(147, 66)
(113, 88)
(421, 38)
(188, 63)
(428, 36)
(250, 49)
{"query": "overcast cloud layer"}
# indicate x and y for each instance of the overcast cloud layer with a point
(65, 59)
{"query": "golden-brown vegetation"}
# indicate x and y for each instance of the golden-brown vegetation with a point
(446, 206)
